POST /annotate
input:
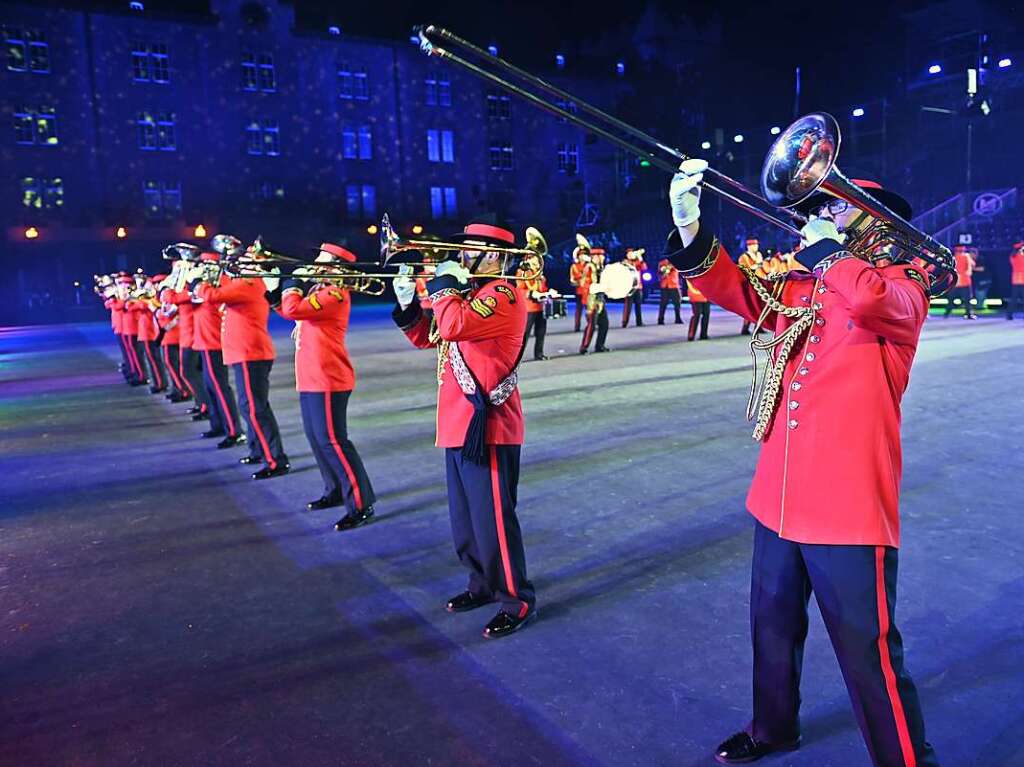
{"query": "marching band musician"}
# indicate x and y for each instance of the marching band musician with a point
(206, 340)
(478, 326)
(962, 289)
(825, 500)
(325, 379)
(700, 312)
(635, 258)
(249, 350)
(106, 289)
(140, 308)
(535, 292)
(578, 276)
(597, 314)
(129, 329)
(668, 282)
(167, 320)
(1016, 297)
(190, 361)
(751, 258)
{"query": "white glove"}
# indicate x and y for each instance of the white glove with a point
(303, 272)
(405, 286)
(818, 229)
(194, 272)
(271, 283)
(684, 192)
(456, 270)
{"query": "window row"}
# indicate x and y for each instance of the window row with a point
(27, 50)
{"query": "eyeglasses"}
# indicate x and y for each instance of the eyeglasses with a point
(835, 207)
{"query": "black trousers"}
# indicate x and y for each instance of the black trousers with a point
(964, 294)
(172, 364)
(485, 528)
(635, 301)
(669, 295)
(600, 320)
(133, 349)
(155, 363)
(264, 438)
(1016, 299)
(855, 587)
(325, 421)
(581, 305)
(701, 314)
(537, 322)
(223, 409)
(192, 373)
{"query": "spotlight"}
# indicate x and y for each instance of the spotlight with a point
(738, 138)
(200, 231)
(620, 68)
(492, 49)
(647, 276)
(935, 69)
(705, 145)
(417, 229)
(858, 112)
(560, 60)
(371, 229)
(334, 31)
(1004, 63)
(31, 233)
(121, 233)
(776, 130)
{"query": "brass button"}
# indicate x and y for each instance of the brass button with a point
(804, 371)
(822, 289)
(793, 423)
(794, 405)
(819, 321)
(814, 339)
(816, 306)
(810, 357)
(797, 386)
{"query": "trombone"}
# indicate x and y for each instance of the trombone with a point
(800, 163)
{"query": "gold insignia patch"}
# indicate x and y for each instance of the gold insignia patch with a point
(506, 291)
(315, 303)
(336, 292)
(483, 306)
(915, 275)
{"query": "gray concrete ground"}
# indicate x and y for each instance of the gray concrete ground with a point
(160, 608)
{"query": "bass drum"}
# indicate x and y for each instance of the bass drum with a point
(617, 281)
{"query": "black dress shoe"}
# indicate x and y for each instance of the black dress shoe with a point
(250, 459)
(602, 349)
(741, 748)
(467, 601)
(230, 441)
(202, 417)
(354, 519)
(583, 351)
(541, 358)
(211, 434)
(194, 410)
(505, 623)
(282, 468)
(328, 501)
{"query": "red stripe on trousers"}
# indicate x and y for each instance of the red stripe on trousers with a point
(252, 418)
(220, 396)
(887, 671)
(499, 524)
(134, 357)
(181, 372)
(341, 455)
(159, 383)
(170, 369)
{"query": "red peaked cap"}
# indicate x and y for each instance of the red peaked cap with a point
(486, 233)
(890, 199)
(1019, 244)
(338, 252)
(209, 255)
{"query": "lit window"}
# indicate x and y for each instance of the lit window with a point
(357, 144)
(361, 200)
(269, 191)
(268, 77)
(27, 50)
(161, 199)
(365, 143)
(349, 144)
(352, 82)
(361, 88)
(146, 126)
(501, 156)
(165, 134)
(433, 146)
(447, 146)
(271, 138)
(568, 159)
(430, 95)
(499, 106)
(35, 126)
(263, 137)
(369, 196)
(566, 106)
(443, 202)
(444, 93)
(161, 63)
(253, 143)
(42, 193)
(150, 63)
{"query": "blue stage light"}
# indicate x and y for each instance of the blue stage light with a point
(560, 60)
(934, 69)
(776, 130)
(492, 49)
(620, 68)
(858, 112)
(1004, 63)
(738, 138)
(647, 276)
(705, 145)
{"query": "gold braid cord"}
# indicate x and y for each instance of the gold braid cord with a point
(774, 367)
(442, 349)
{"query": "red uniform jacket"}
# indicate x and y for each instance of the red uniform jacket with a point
(579, 276)
(116, 308)
(528, 290)
(168, 320)
(142, 315)
(488, 325)
(669, 275)
(321, 321)
(245, 337)
(186, 314)
(964, 269)
(1017, 267)
(207, 319)
(829, 470)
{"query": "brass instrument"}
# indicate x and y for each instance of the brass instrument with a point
(800, 163)
(392, 244)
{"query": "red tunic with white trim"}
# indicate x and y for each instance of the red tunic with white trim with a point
(245, 337)
(208, 319)
(145, 325)
(116, 308)
(1017, 267)
(488, 324)
(186, 314)
(168, 320)
(668, 275)
(830, 465)
(530, 290)
(321, 322)
(581, 277)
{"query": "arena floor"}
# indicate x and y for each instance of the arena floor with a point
(160, 608)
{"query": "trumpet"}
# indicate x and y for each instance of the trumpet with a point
(392, 244)
(800, 163)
